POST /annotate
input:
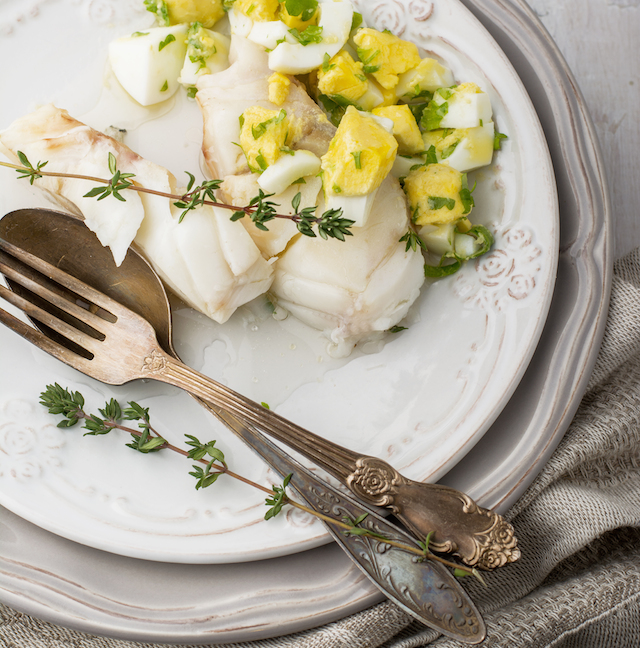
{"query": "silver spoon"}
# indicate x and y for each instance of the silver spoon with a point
(45, 291)
(480, 537)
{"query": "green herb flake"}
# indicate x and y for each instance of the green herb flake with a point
(497, 140)
(397, 329)
(449, 150)
(138, 34)
(262, 163)
(312, 34)
(356, 21)
(356, 157)
(436, 272)
(336, 189)
(465, 195)
(165, 86)
(192, 91)
(326, 66)
(438, 202)
(305, 9)
(432, 157)
(433, 115)
(260, 129)
(169, 39)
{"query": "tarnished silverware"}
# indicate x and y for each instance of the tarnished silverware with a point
(480, 537)
(424, 588)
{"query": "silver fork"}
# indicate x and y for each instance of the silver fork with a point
(124, 347)
(480, 537)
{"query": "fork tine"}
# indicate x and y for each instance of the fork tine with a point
(81, 339)
(61, 277)
(40, 340)
(66, 305)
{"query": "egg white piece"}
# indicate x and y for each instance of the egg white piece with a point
(355, 208)
(473, 151)
(239, 24)
(335, 20)
(353, 289)
(148, 65)
(192, 71)
(402, 165)
(207, 260)
(287, 169)
(270, 33)
(466, 110)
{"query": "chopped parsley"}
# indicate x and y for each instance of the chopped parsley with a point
(305, 9)
(169, 39)
(438, 202)
(260, 129)
(497, 140)
(312, 34)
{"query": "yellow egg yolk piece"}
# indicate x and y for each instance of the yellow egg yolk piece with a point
(278, 88)
(263, 134)
(385, 56)
(405, 128)
(360, 155)
(434, 194)
(206, 12)
(342, 76)
(258, 10)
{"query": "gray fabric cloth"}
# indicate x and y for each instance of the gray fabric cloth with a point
(578, 581)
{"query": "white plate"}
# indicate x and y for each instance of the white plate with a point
(422, 401)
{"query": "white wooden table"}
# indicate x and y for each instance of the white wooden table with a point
(600, 40)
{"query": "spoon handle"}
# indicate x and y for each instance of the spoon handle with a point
(423, 588)
(478, 536)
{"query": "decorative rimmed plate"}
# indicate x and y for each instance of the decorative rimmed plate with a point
(421, 401)
(55, 579)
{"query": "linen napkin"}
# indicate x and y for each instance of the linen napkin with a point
(578, 581)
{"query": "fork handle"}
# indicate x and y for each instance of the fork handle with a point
(480, 537)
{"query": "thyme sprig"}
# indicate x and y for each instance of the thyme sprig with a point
(115, 185)
(71, 405)
(330, 224)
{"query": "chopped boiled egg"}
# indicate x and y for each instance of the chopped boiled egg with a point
(463, 149)
(360, 155)
(207, 53)
(342, 78)
(287, 169)
(437, 194)
(278, 88)
(332, 32)
(148, 64)
(428, 75)
(359, 158)
(385, 56)
(263, 136)
(405, 128)
(463, 106)
(206, 12)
